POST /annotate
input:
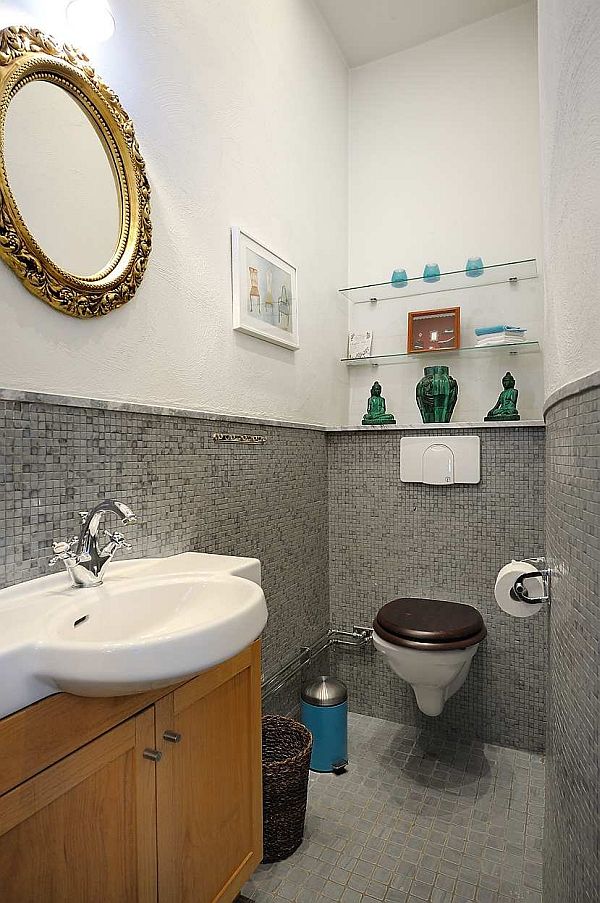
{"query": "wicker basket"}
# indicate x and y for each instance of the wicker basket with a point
(287, 746)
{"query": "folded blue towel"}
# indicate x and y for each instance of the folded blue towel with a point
(490, 330)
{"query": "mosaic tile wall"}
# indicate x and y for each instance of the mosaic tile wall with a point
(286, 700)
(572, 834)
(271, 501)
(267, 501)
(389, 539)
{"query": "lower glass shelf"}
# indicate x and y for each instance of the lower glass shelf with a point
(401, 357)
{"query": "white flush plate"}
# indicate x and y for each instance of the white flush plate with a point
(440, 460)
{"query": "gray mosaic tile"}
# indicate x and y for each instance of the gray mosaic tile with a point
(268, 501)
(572, 839)
(385, 756)
(271, 501)
(389, 539)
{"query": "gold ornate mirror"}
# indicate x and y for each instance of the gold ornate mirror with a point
(74, 197)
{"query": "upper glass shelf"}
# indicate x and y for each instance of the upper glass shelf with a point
(446, 282)
(393, 357)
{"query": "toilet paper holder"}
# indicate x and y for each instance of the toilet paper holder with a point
(520, 592)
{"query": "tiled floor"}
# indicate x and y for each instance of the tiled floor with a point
(414, 820)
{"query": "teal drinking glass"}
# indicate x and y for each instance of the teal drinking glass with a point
(474, 267)
(431, 273)
(399, 278)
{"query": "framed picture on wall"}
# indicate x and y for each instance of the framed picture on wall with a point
(265, 292)
(433, 330)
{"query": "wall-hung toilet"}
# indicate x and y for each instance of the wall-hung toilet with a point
(429, 644)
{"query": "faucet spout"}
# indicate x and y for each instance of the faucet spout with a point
(91, 520)
(88, 562)
(93, 558)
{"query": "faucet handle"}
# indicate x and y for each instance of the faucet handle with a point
(119, 540)
(62, 550)
(83, 516)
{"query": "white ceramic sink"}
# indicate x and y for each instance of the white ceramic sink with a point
(152, 623)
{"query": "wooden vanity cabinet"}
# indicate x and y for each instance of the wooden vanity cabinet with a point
(83, 828)
(164, 805)
(209, 795)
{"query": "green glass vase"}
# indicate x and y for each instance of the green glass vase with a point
(437, 392)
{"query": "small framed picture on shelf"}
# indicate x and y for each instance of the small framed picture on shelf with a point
(433, 330)
(359, 344)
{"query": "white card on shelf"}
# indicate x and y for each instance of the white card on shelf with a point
(359, 344)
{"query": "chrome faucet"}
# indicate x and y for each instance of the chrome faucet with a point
(82, 556)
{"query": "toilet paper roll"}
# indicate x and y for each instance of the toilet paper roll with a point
(505, 581)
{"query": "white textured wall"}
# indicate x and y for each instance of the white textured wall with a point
(444, 164)
(240, 107)
(569, 37)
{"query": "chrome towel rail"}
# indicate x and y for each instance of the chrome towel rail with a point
(358, 637)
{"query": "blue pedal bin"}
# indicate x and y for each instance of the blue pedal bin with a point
(324, 711)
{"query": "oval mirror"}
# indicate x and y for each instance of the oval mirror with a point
(62, 178)
(74, 197)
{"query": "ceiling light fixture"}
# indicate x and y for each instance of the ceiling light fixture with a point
(90, 20)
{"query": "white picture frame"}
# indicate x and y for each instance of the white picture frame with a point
(265, 292)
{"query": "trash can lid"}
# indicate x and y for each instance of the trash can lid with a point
(325, 691)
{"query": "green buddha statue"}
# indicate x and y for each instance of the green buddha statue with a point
(506, 406)
(376, 414)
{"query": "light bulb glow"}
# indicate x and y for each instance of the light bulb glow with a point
(90, 20)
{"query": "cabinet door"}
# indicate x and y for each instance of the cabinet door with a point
(209, 798)
(83, 830)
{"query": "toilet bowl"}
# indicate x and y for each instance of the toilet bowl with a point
(430, 644)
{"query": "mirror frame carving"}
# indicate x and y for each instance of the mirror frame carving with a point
(27, 55)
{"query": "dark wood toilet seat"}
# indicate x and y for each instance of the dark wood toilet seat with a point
(429, 624)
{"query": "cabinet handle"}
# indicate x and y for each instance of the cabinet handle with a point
(154, 755)
(172, 736)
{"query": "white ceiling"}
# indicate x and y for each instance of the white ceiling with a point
(369, 29)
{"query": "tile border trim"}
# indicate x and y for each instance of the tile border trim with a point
(429, 427)
(75, 401)
(591, 381)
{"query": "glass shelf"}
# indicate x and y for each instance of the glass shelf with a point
(448, 282)
(425, 356)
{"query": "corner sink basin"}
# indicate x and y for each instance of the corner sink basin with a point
(146, 633)
(152, 623)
